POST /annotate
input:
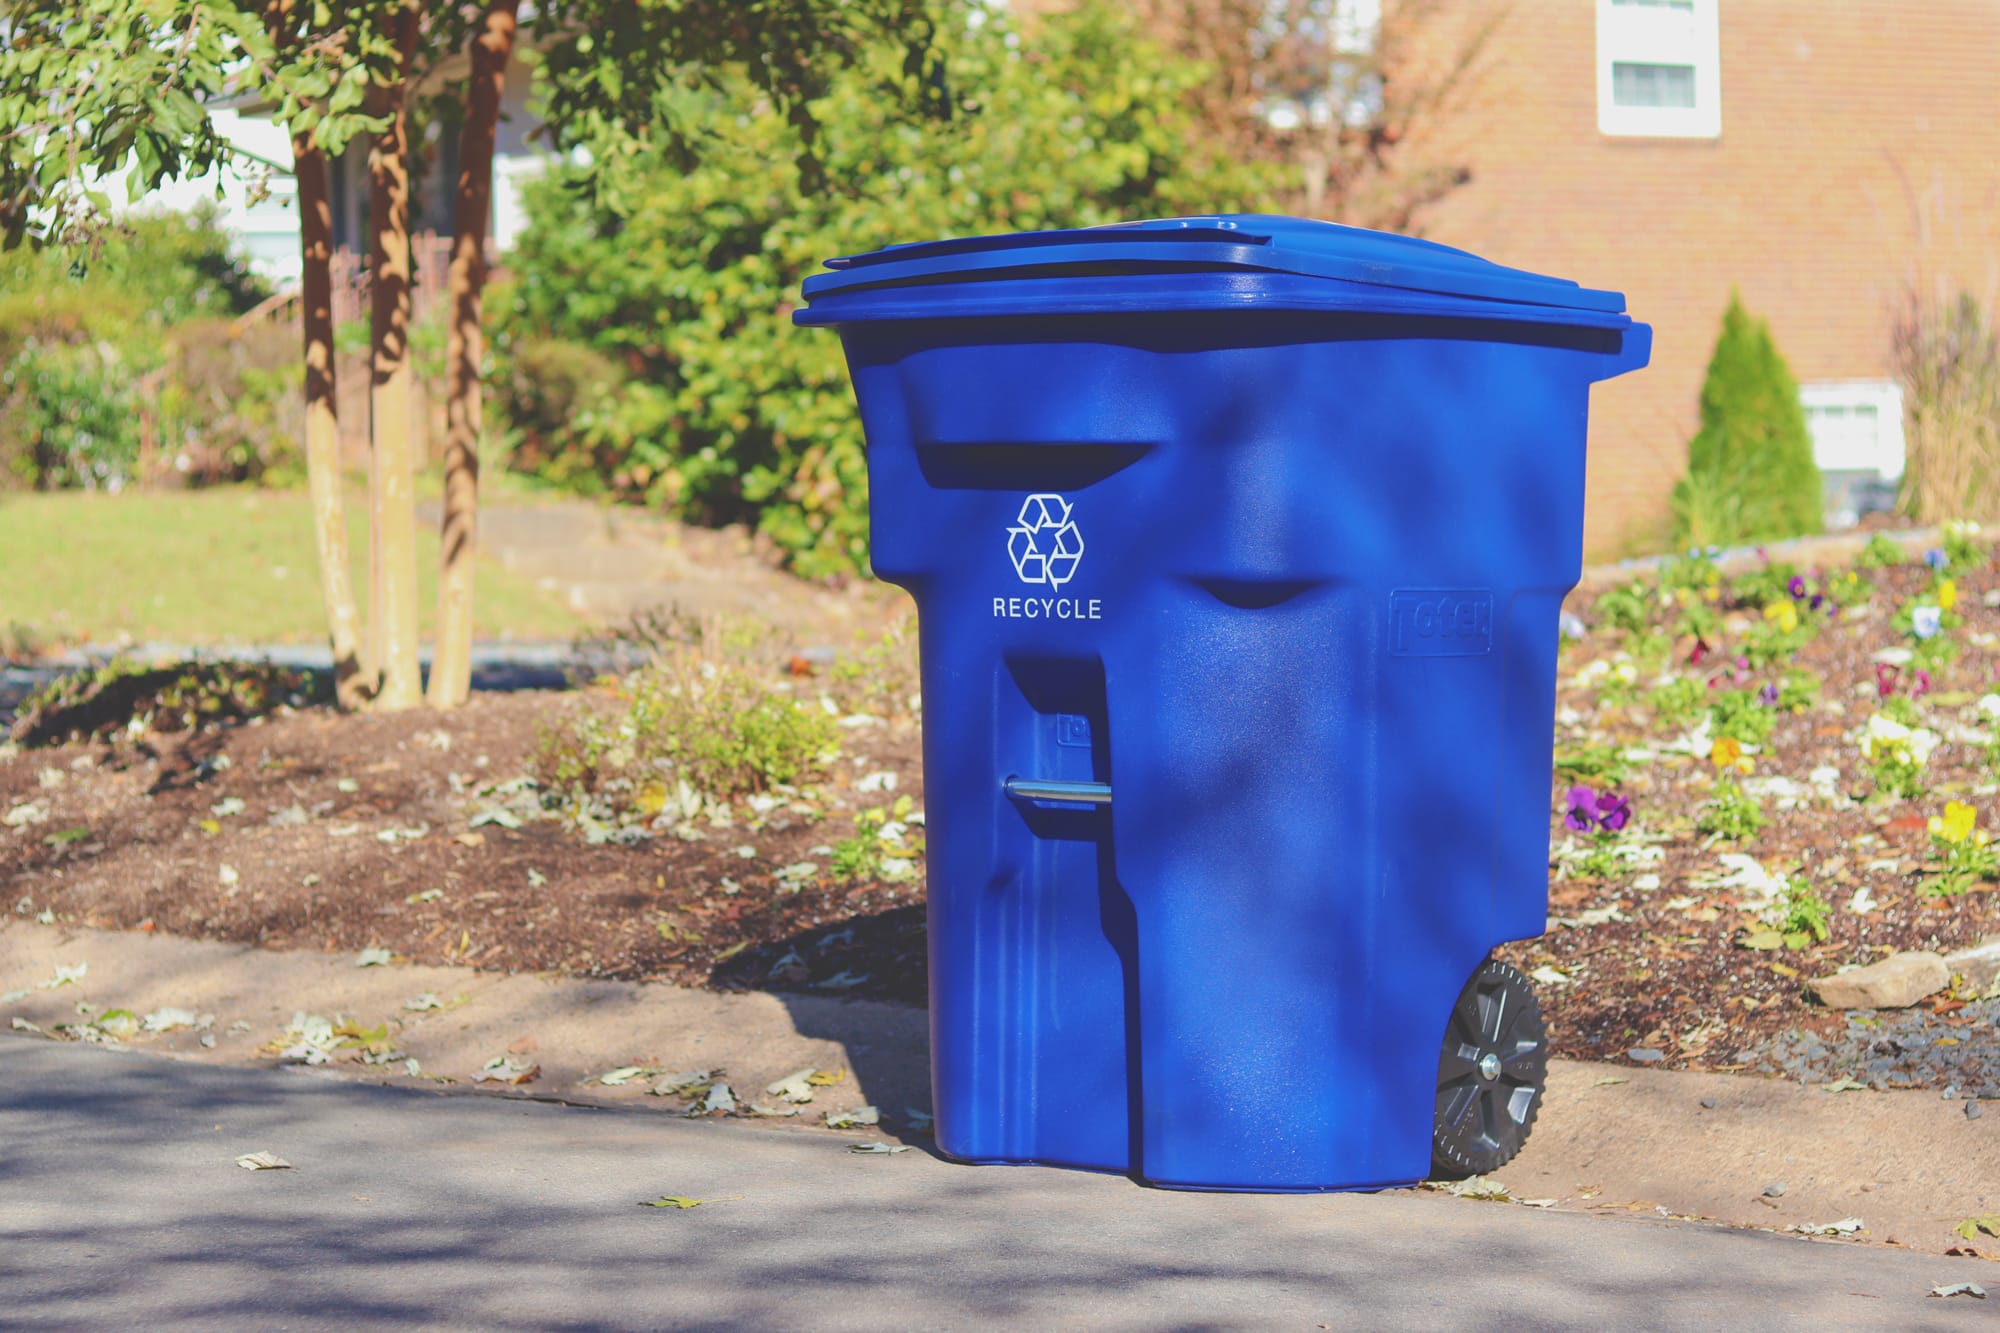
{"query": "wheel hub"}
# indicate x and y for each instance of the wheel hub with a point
(1490, 1073)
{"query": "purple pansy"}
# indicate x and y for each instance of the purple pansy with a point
(1797, 587)
(1590, 810)
(1936, 558)
(1613, 811)
(1768, 695)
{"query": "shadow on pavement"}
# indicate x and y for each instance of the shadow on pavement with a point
(120, 1204)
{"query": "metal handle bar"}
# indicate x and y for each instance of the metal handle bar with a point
(1081, 793)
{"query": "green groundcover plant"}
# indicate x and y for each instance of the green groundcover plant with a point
(650, 353)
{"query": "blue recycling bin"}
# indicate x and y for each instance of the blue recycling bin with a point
(1238, 545)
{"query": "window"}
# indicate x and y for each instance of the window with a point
(1659, 68)
(1857, 435)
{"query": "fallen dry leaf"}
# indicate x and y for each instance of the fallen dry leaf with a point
(263, 1161)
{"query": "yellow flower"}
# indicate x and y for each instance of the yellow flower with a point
(1957, 824)
(1728, 753)
(1947, 594)
(1785, 614)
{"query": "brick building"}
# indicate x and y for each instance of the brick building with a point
(1814, 154)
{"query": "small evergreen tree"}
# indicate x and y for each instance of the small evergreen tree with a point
(1751, 475)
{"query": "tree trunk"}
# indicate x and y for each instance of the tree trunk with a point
(389, 400)
(352, 684)
(491, 45)
(353, 679)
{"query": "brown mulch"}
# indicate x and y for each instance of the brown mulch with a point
(1672, 978)
(133, 840)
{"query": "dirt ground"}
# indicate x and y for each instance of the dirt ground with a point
(335, 833)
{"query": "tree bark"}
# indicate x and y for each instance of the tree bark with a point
(352, 684)
(389, 399)
(490, 48)
(353, 679)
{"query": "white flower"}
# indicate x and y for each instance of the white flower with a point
(1926, 621)
(1989, 706)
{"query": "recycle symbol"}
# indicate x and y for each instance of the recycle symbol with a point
(1044, 543)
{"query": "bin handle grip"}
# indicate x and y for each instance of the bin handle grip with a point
(1080, 793)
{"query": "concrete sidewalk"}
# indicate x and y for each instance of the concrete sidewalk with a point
(121, 1205)
(1611, 1140)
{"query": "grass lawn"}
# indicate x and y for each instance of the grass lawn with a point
(228, 565)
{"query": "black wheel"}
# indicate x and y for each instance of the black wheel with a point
(1490, 1074)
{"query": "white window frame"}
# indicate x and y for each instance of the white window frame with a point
(1661, 34)
(1888, 458)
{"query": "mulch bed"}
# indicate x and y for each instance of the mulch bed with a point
(356, 832)
(133, 841)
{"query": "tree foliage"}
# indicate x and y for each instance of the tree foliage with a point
(1751, 475)
(92, 87)
(668, 316)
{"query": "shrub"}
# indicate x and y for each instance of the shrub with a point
(159, 270)
(69, 417)
(549, 391)
(228, 407)
(1750, 472)
(690, 719)
(723, 412)
(96, 358)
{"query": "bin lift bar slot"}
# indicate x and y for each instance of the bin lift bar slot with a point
(1079, 793)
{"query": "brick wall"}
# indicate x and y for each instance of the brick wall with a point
(1860, 146)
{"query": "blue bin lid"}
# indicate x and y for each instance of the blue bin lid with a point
(1242, 243)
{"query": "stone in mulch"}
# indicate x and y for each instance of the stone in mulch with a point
(1897, 982)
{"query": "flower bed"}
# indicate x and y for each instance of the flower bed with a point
(1761, 779)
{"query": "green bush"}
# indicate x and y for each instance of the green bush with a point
(70, 417)
(95, 354)
(1750, 472)
(704, 399)
(690, 719)
(159, 270)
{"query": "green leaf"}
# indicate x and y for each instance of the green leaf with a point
(1972, 1227)
(1761, 940)
(673, 1201)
